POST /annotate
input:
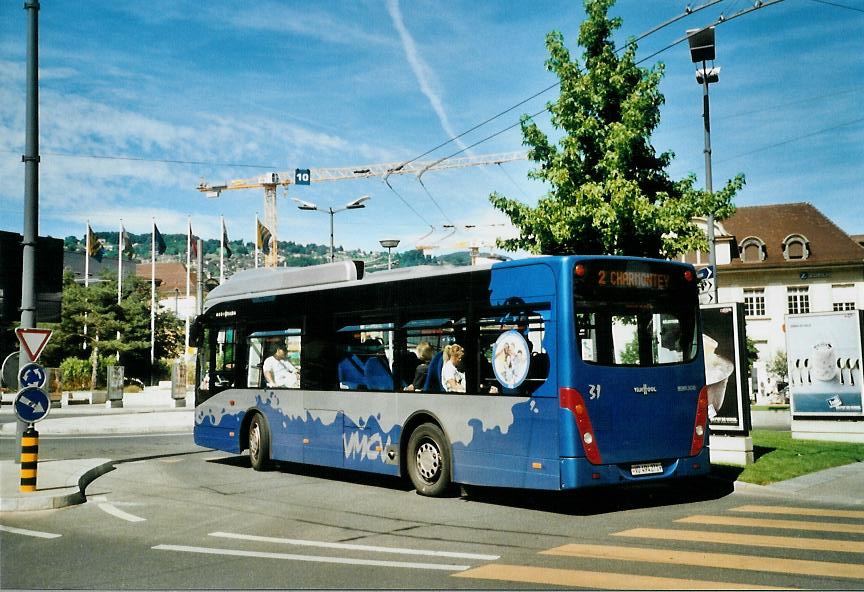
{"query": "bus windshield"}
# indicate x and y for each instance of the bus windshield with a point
(635, 313)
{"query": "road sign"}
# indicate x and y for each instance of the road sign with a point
(302, 177)
(32, 404)
(706, 292)
(706, 273)
(34, 341)
(32, 375)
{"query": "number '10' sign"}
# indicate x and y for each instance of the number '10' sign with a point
(302, 177)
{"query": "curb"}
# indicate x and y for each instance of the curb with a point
(81, 480)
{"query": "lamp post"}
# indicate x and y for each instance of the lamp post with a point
(389, 244)
(353, 205)
(701, 43)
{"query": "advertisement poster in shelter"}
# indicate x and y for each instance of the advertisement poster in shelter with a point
(726, 371)
(823, 355)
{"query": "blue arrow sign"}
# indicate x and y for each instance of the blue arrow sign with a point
(32, 375)
(706, 273)
(32, 404)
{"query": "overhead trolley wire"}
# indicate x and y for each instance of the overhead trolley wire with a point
(790, 140)
(687, 12)
(838, 5)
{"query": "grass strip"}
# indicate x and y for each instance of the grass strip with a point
(779, 457)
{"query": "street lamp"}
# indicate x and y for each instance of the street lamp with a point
(702, 50)
(353, 205)
(389, 244)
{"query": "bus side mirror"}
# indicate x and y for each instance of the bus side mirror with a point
(195, 331)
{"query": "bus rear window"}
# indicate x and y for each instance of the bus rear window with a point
(615, 335)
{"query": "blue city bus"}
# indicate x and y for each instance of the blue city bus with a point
(574, 371)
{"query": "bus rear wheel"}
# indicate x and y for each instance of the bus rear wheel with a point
(429, 460)
(259, 443)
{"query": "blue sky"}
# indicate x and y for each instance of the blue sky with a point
(245, 88)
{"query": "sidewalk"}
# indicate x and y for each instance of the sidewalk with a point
(60, 483)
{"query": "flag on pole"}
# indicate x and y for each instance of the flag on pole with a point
(264, 238)
(225, 239)
(94, 245)
(160, 242)
(128, 247)
(193, 242)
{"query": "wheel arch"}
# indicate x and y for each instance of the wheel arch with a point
(243, 435)
(412, 423)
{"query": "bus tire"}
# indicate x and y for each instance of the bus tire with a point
(429, 461)
(259, 443)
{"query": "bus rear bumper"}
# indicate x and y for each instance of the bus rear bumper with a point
(578, 472)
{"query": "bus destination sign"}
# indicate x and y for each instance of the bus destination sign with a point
(633, 279)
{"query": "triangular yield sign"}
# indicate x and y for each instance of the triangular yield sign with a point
(33, 340)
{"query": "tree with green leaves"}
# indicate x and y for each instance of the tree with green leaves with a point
(97, 307)
(610, 192)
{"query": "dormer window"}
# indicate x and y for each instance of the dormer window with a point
(796, 246)
(752, 250)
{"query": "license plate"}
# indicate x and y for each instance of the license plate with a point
(646, 469)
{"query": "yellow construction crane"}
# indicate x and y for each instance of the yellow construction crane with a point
(269, 181)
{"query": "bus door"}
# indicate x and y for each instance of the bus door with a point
(638, 369)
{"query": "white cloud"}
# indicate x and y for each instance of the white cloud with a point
(421, 71)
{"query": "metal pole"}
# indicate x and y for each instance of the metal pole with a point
(120, 278)
(706, 116)
(188, 276)
(332, 255)
(221, 250)
(389, 258)
(199, 292)
(152, 300)
(31, 189)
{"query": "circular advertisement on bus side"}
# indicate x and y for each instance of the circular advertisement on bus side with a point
(511, 358)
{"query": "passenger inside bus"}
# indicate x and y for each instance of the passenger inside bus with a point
(279, 372)
(424, 354)
(452, 371)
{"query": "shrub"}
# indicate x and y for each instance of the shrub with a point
(76, 373)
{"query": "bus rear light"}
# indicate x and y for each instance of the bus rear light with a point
(595, 475)
(688, 275)
(571, 399)
(580, 270)
(701, 423)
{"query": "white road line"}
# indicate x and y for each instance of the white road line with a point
(352, 547)
(32, 533)
(106, 507)
(310, 558)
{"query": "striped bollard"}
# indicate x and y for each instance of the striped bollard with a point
(29, 459)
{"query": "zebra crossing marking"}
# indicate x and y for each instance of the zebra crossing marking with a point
(744, 540)
(796, 511)
(596, 579)
(703, 559)
(770, 523)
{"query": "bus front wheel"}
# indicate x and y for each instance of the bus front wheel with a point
(429, 460)
(259, 443)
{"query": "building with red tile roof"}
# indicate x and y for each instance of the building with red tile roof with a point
(785, 259)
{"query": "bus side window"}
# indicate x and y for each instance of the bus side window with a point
(265, 355)
(586, 335)
(202, 367)
(421, 354)
(513, 359)
(365, 354)
(224, 371)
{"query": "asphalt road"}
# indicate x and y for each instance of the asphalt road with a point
(172, 515)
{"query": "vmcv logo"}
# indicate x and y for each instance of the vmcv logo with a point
(644, 389)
